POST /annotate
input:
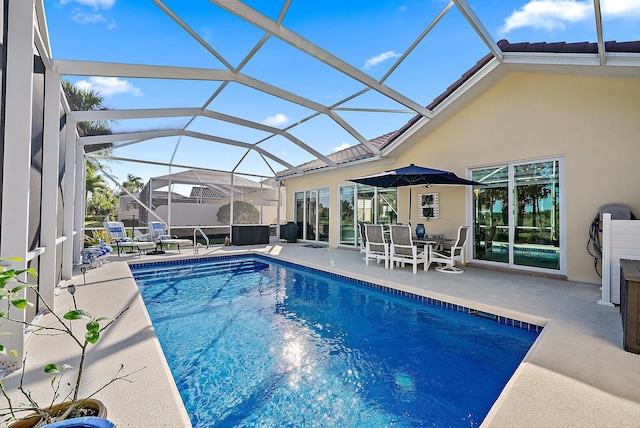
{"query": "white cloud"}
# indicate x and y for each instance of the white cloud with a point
(108, 86)
(87, 18)
(96, 4)
(552, 15)
(620, 8)
(548, 15)
(278, 119)
(340, 147)
(371, 62)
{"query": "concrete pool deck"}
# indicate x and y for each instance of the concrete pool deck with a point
(576, 374)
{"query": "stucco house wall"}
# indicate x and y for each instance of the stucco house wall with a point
(591, 121)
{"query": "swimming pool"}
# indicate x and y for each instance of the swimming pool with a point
(255, 342)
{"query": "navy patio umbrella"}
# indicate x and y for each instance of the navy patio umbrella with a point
(412, 175)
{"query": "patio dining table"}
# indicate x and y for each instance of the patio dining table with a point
(431, 241)
(437, 244)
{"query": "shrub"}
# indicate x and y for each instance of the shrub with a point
(243, 213)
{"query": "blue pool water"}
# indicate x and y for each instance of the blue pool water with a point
(252, 342)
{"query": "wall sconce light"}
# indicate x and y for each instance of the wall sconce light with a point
(426, 186)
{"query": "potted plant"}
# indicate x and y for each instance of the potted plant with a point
(65, 403)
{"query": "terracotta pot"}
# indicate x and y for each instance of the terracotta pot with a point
(90, 403)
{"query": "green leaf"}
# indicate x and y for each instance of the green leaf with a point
(93, 326)
(92, 336)
(4, 280)
(21, 287)
(3, 314)
(30, 270)
(102, 319)
(77, 314)
(3, 350)
(52, 368)
(20, 303)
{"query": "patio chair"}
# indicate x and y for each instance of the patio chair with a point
(363, 237)
(118, 237)
(376, 248)
(446, 259)
(159, 234)
(402, 248)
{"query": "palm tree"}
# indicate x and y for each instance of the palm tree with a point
(95, 182)
(133, 184)
(87, 100)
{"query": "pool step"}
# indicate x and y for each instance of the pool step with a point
(196, 270)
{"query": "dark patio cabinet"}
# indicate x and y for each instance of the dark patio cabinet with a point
(630, 304)
(289, 232)
(249, 234)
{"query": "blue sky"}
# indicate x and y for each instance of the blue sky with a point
(368, 35)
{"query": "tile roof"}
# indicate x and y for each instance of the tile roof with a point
(564, 47)
(360, 151)
(505, 46)
(205, 193)
(350, 154)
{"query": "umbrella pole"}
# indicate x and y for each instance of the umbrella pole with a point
(410, 197)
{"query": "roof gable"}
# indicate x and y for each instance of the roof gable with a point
(360, 151)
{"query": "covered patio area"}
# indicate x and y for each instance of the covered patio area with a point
(524, 118)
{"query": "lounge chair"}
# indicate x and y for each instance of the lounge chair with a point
(376, 248)
(118, 237)
(159, 234)
(446, 259)
(402, 248)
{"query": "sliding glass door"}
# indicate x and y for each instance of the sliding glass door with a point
(348, 232)
(323, 215)
(366, 204)
(518, 215)
(536, 211)
(312, 214)
(491, 212)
